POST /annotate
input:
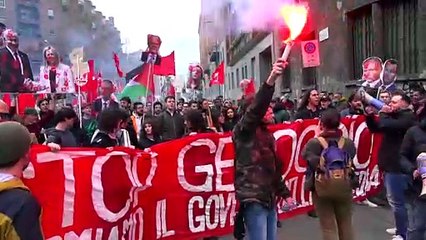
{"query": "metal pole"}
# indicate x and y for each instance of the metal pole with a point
(80, 114)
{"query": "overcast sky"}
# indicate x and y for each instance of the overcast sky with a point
(175, 21)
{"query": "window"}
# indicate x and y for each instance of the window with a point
(50, 14)
(400, 34)
(245, 72)
(2, 3)
(362, 38)
(238, 78)
(232, 80)
(252, 63)
(52, 32)
(65, 4)
(28, 30)
(243, 76)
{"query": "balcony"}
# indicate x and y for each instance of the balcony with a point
(240, 44)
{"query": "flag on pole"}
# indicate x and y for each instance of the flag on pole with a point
(117, 65)
(218, 77)
(142, 78)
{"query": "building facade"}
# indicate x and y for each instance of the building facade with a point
(64, 24)
(348, 32)
(352, 30)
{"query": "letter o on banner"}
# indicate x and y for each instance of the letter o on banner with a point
(98, 193)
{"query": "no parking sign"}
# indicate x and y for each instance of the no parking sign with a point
(310, 53)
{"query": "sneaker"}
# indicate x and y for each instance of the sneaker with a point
(397, 237)
(368, 203)
(391, 231)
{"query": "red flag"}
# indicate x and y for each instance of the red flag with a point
(247, 87)
(7, 99)
(91, 87)
(218, 77)
(167, 66)
(25, 100)
(117, 65)
(172, 90)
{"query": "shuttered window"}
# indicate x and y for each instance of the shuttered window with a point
(400, 34)
(362, 38)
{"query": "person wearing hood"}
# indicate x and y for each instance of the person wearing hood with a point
(393, 122)
(19, 210)
(61, 134)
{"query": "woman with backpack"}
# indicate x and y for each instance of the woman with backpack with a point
(331, 178)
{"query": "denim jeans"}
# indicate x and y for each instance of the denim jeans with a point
(261, 222)
(396, 184)
(416, 219)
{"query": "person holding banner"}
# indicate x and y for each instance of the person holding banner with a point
(258, 177)
(19, 209)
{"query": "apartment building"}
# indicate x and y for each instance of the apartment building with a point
(64, 24)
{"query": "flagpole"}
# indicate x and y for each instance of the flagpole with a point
(148, 81)
(80, 115)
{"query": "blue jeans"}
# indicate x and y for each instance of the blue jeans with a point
(396, 184)
(261, 222)
(416, 219)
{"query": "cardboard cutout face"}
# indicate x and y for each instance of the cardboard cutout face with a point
(195, 76)
(154, 43)
(372, 68)
(390, 72)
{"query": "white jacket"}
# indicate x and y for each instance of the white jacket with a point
(64, 79)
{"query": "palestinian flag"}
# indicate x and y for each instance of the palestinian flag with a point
(141, 79)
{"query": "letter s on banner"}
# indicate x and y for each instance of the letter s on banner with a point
(98, 191)
(208, 185)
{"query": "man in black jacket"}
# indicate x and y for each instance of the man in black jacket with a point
(258, 171)
(413, 145)
(394, 121)
(19, 210)
(172, 124)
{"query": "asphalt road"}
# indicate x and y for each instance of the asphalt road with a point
(369, 224)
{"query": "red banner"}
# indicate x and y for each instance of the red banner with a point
(180, 190)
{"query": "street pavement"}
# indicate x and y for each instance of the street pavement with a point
(369, 224)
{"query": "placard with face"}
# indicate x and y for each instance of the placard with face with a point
(390, 72)
(371, 70)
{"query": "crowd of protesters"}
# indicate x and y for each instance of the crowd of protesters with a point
(141, 125)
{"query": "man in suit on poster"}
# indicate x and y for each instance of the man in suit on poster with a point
(105, 101)
(15, 68)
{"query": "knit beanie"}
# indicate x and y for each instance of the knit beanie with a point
(15, 142)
